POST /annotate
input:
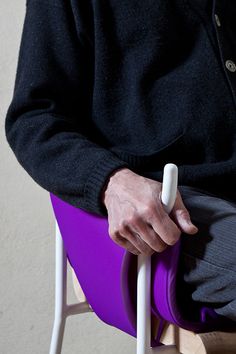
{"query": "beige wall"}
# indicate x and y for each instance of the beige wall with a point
(27, 241)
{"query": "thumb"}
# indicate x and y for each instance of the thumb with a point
(182, 217)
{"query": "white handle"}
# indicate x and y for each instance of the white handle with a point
(169, 186)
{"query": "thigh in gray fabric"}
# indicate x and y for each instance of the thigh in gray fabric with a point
(208, 259)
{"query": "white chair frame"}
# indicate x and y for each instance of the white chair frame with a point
(63, 310)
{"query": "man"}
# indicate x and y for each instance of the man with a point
(106, 93)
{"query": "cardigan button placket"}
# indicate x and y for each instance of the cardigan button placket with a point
(230, 65)
(217, 20)
(226, 50)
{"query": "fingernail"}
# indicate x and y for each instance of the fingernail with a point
(189, 222)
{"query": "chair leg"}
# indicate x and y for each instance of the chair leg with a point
(144, 319)
(143, 304)
(57, 336)
(60, 295)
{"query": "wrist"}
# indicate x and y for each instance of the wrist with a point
(112, 180)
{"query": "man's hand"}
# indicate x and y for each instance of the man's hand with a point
(137, 219)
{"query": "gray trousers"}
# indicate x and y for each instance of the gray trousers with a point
(208, 258)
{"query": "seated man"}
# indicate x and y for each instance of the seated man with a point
(107, 93)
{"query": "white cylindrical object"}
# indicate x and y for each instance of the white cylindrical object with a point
(169, 186)
(143, 304)
(168, 196)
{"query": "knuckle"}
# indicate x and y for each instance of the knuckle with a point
(131, 220)
(123, 227)
(148, 210)
(183, 213)
(114, 234)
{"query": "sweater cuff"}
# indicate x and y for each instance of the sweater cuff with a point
(97, 180)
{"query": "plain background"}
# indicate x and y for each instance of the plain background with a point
(27, 241)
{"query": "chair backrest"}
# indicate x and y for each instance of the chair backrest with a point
(108, 274)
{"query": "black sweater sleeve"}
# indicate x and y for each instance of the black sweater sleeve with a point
(48, 123)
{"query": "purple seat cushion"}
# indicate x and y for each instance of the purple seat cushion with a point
(107, 274)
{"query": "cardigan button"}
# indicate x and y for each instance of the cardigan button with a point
(230, 65)
(217, 20)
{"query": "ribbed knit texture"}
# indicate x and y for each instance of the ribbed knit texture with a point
(105, 84)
